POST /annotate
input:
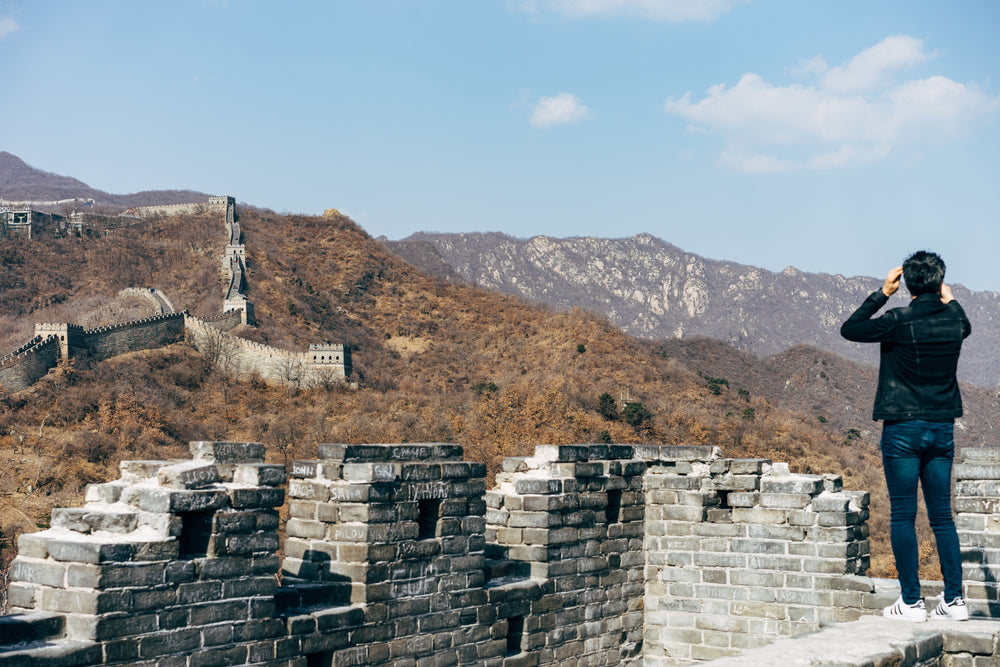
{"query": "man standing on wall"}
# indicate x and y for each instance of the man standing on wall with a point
(918, 399)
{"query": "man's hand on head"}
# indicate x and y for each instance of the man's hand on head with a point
(946, 294)
(891, 283)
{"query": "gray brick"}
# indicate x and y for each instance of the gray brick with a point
(173, 500)
(164, 643)
(808, 484)
(784, 500)
(304, 469)
(229, 452)
(829, 502)
(262, 497)
(115, 575)
(88, 551)
(188, 475)
(36, 571)
(307, 490)
(87, 520)
(259, 474)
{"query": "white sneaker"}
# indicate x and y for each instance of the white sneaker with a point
(914, 613)
(954, 610)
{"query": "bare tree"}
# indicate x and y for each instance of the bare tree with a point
(290, 372)
(219, 348)
(327, 379)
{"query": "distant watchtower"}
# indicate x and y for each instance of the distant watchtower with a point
(330, 356)
(222, 201)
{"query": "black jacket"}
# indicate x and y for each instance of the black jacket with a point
(920, 347)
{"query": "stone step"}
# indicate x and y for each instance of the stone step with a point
(25, 628)
(58, 653)
(873, 641)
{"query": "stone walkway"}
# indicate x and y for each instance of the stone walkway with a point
(873, 641)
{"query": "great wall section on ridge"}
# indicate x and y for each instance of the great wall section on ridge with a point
(20, 217)
(322, 363)
(398, 555)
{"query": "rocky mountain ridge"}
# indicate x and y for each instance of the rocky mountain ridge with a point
(655, 290)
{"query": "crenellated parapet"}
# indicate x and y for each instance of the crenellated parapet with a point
(741, 551)
(13, 356)
(176, 557)
(395, 554)
(70, 337)
(214, 204)
(118, 326)
(271, 363)
(23, 367)
(54, 341)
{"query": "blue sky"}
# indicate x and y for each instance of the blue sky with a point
(831, 136)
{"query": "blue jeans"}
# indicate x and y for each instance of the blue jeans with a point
(921, 450)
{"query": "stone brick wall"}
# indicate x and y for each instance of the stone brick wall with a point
(213, 204)
(32, 361)
(740, 551)
(150, 333)
(173, 559)
(397, 529)
(572, 518)
(396, 555)
(274, 364)
(976, 482)
(228, 321)
(23, 367)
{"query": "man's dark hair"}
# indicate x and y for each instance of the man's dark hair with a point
(923, 272)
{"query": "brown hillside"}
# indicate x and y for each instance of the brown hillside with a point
(434, 362)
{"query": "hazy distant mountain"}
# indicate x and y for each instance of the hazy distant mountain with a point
(655, 290)
(22, 182)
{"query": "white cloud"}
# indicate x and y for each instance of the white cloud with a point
(815, 65)
(869, 69)
(7, 26)
(854, 115)
(558, 110)
(675, 11)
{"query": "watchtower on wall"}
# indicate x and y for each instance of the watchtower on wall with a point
(330, 356)
(16, 221)
(70, 336)
(222, 201)
(235, 251)
(243, 305)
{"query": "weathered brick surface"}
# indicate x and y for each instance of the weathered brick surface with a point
(748, 556)
(397, 555)
(976, 488)
(148, 573)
